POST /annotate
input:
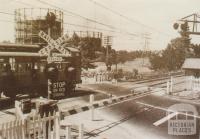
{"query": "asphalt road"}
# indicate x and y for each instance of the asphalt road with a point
(131, 119)
(135, 118)
(141, 118)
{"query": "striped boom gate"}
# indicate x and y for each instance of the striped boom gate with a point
(48, 126)
(95, 105)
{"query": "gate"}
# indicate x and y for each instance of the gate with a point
(35, 127)
(193, 83)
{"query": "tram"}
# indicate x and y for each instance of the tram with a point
(22, 69)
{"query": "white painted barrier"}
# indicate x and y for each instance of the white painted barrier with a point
(92, 109)
(33, 127)
(192, 83)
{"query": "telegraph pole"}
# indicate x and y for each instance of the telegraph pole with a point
(107, 42)
(146, 37)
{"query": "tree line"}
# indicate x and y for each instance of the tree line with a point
(93, 51)
(178, 49)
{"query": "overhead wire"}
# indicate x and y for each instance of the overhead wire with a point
(127, 18)
(114, 31)
(72, 24)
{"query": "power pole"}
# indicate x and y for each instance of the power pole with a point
(146, 37)
(107, 42)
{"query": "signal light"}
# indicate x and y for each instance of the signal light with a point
(176, 25)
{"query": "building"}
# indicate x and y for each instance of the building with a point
(192, 67)
(29, 21)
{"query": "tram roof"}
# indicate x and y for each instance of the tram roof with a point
(12, 49)
(18, 45)
(26, 54)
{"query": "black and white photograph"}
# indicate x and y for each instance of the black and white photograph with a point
(99, 69)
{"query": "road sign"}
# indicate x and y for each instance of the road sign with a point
(58, 89)
(53, 44)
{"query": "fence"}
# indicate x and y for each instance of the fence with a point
(192, 83)
(96, 78)
(34, 127)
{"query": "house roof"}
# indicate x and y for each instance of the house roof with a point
(191, 63)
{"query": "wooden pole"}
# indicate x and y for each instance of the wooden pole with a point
(92, 108)
(81, 132)
(68, 132)
(167, 87)
(57, 125)
(171, 84)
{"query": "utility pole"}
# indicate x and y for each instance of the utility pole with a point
(146, 37)
(107, 42)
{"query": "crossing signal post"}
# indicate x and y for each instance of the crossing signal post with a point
(51, 69)
(52, 75)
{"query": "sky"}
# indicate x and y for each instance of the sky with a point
(153, 17)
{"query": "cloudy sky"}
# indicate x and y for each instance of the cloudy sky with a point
(130, 19)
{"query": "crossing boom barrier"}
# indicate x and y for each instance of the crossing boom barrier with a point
(99, 104)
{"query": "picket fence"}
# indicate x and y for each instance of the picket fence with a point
(33, 127)
(193, 83)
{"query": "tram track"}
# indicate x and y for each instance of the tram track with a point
(11, 104)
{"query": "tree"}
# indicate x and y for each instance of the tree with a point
(196, 50)
(6, 41)
(90, 48)
(175, 53)
(157, 61)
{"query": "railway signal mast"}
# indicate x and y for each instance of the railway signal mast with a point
(193, 21)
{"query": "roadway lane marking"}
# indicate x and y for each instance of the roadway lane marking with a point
(164, 119)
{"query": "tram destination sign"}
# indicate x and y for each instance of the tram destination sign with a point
(54, 59)
(58, 89)
(53, 44)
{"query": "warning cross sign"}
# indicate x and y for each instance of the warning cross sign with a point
(53, 44)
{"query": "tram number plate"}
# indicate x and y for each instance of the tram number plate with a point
(58, 89)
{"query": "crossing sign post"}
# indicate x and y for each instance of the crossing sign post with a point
(46, 51)
(53, 44)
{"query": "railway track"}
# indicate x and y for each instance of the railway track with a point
(157, 81)
(4, 102)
